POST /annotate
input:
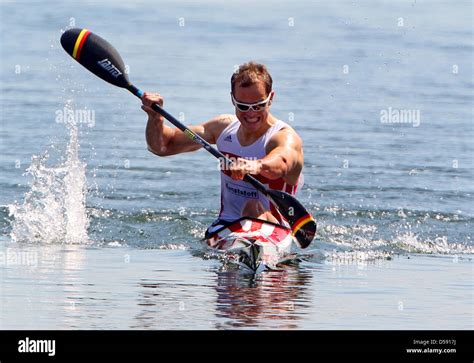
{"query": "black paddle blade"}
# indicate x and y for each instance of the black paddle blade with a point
(302, 223)
(96, 54)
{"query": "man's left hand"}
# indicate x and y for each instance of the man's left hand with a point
(240, 167)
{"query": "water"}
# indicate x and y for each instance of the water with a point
(53, 210)
(99, 233)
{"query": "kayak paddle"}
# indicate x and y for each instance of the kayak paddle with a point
(102, 59)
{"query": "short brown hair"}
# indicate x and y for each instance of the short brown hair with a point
(250, 73)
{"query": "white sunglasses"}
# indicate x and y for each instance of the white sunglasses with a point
(245, 107)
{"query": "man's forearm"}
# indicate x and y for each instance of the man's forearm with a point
(158, 136)
(274, 166)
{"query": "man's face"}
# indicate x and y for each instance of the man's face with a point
(252, 120)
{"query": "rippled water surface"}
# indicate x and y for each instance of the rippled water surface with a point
(96, 232)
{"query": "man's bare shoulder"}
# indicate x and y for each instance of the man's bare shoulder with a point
(286, 137)
(222, 120)
(216, 125)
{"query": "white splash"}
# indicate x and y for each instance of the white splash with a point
(350, 257)
(439, 245)
(54, 209)
(365, 244)
(171, 246)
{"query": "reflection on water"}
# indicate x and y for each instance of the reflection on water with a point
(38, 282)
(272, 298)
(148, 302)
(72, 287)
(225, 299)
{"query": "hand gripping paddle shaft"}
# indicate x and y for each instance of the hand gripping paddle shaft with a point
(102, 59)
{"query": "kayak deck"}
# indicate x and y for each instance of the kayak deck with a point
(257, 244)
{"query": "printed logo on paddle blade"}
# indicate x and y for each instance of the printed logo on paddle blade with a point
(109, 67)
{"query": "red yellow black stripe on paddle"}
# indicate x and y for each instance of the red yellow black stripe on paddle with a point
(301, 222)
(81, 39)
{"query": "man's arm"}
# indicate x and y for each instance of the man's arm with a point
(164, 141)
(284, 159)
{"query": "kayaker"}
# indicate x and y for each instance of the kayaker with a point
(257, 142)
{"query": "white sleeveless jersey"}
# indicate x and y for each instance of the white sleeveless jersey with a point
(235, 193)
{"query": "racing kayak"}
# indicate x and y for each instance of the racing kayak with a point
(254, 244)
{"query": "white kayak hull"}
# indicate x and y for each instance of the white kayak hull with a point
(258, 244)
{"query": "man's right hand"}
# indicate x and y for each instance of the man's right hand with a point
(147, 100)
(158, 136)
